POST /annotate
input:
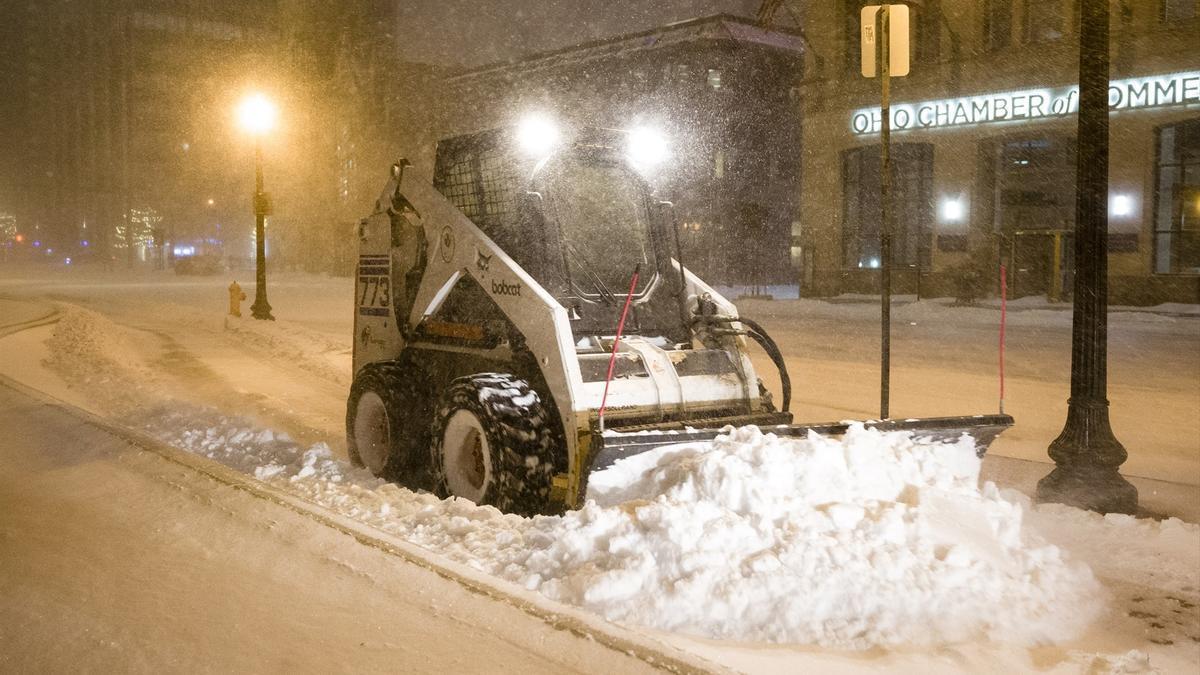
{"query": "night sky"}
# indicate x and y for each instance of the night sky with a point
(473, 32)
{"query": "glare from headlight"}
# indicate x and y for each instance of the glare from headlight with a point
(647, 147)
(537, 135)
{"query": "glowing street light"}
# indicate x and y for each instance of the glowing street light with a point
(256, 115)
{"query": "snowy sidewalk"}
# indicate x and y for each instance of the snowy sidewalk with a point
(118, 560)
(1156, 498)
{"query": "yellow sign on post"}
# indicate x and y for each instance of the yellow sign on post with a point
(897, 39)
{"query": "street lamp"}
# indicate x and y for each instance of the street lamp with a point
(1087, 454)
(256, 115)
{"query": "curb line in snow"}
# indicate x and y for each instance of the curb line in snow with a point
(14, 328)
(557, 616)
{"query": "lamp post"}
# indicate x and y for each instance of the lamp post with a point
(1087, 454)
(256, 115)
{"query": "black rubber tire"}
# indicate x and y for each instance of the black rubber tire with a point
(519, 440)
(408, 413)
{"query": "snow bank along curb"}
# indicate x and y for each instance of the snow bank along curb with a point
(559, 617)
(872, 540)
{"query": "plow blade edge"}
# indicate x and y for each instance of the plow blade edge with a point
(615, 444)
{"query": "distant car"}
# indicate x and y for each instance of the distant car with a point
(202, 264)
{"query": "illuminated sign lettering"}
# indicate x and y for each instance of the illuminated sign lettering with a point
(1031, 104)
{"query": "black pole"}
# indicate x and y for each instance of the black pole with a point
(1086, 453)
(261, 309)
(883, 62)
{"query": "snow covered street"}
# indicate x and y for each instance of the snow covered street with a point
(743, 551)
(118, 559)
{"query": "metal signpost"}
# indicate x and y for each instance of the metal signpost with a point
(885, 42)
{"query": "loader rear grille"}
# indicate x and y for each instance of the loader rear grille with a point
(479, 181)
(458, 185)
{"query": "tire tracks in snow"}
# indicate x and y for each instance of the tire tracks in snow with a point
(555, 615)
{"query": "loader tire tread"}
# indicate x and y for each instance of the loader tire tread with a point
(519, 434)
(399, 385)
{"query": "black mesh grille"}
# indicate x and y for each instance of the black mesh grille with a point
(499, 183)
(478, 179)
(458, 185)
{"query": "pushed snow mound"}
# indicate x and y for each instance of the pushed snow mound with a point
(873, 539)
(89, 348)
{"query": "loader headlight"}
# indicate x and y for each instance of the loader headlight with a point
(647, 147)
(537, 135)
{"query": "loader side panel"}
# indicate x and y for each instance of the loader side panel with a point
(458, 249)
(375, 335)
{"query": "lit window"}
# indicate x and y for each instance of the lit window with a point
(714, 78)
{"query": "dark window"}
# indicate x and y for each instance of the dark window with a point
(927, 31)
(1043, 21)
(853, 39)
(1179, 10)
(1177, 199)
(912, 210)
(997, 24)
(602, 218)
(1035, 184)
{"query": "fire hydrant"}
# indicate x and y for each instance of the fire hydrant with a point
(236, 296)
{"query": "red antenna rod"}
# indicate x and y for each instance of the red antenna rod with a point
(612, 359)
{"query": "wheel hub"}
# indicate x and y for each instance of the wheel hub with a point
(372, 432)
(468, 464)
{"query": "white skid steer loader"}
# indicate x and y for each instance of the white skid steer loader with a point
(488, 361)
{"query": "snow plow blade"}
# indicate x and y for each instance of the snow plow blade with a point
(615, 444)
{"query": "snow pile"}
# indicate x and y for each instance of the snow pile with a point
(89, 348)
(874, 539)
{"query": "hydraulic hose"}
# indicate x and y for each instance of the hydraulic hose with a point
(764, 340)
(759, 334)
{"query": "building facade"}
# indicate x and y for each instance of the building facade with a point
(722, 89)
(983, 151)
(119, 136)
(113, 109)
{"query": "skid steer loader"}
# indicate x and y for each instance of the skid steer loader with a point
(488, 362)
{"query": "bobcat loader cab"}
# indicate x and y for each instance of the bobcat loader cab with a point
(487, 307)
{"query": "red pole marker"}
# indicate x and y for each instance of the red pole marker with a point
(612, 359)
(1003, 318)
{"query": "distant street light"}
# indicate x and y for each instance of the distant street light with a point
(256, 115)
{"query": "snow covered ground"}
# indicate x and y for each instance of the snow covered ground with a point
(118, 557)
(887, 544)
